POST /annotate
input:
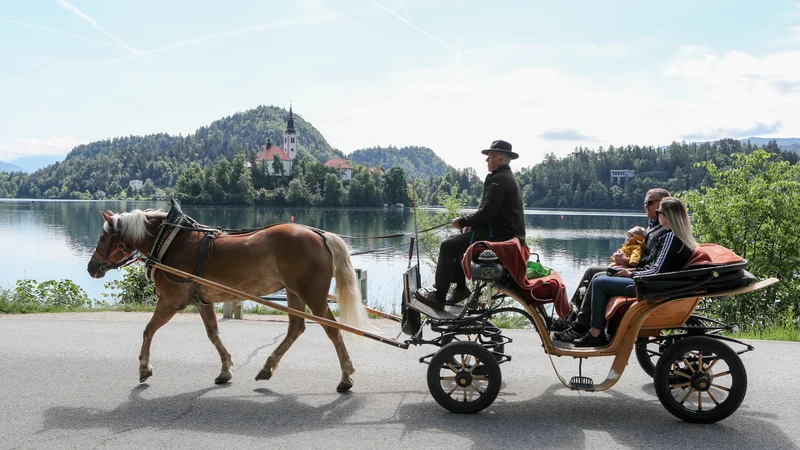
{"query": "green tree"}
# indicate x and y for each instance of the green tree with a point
(395, 187)
(753, 209)
(334, 191)
(277, 165)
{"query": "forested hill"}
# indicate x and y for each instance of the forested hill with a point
(582, 179)
(109, 165)
(417, 162)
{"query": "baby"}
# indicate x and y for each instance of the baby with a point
(633, 247)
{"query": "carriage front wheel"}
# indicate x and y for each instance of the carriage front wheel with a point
(700, 380)
(464, 377)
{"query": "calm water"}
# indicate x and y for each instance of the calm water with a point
(53, 240)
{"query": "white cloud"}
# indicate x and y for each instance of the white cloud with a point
(459, 109)
(60, 145)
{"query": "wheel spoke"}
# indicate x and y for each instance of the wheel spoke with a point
(681, 374)
(712, 397)
(473, 367)
(480, 377)
(453, 378)
(721, 374)
(700, 398)
(450, 365)
(691, 391)
(689, 366)
(721, 387)
(700, 362)
(465, 395)
(452, 390)
(476, 388)
(712, 364)
(680, 386)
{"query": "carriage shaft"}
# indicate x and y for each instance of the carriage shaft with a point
(279, 307)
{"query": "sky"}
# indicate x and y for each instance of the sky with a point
(447, 74)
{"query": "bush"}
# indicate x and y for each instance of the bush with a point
(752, 209)
(133, 289)
(31, 296)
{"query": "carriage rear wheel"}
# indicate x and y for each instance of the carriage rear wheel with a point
(649, 349)
(464, 377)
(700, 380)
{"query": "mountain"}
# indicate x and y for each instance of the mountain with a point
(417, 162)
(109, 165)
(35, 162)
(780, 141)
(8, 167)
(785, 144)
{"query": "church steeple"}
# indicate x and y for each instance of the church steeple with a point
(290, 136)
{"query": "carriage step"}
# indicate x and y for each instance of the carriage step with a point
(581, 384)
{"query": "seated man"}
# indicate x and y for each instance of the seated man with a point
(581, 303)
(499, 217)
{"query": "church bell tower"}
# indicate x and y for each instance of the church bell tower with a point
(290, 136)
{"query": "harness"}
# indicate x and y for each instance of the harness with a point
(176, 221)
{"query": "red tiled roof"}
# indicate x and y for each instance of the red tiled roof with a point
(338, 162)
(376, 170)
(268, 153)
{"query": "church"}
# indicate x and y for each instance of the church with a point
(286, 152)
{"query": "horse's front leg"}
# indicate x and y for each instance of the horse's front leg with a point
(212, 330)
(163, 313)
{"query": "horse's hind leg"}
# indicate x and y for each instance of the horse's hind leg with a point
(296, 327)
(321, 309)
(162, 314)
(212, 330)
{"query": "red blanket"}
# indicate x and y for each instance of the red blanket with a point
(706, 255)
(513, 256)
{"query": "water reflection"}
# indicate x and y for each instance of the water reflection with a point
(47, 240)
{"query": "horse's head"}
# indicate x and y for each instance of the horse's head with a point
(123, 234)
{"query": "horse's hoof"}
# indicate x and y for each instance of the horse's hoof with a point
(265, 374)
(344, 386)
(144, 374)
(223, 378)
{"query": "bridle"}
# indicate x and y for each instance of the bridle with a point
(112, 251)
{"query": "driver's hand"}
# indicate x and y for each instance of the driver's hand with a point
(456, 224)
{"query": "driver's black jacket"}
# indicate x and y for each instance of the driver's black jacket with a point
(500, 216)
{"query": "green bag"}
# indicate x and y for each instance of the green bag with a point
(535, 269)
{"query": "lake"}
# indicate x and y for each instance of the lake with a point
(53, 240)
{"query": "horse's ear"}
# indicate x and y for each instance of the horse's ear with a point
(107, 217)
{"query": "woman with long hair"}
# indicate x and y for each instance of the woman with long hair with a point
(671, 254)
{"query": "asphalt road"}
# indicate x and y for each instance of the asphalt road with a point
(71, 381)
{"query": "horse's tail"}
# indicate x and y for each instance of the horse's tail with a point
(348, 294)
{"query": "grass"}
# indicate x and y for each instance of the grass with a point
(773, 333)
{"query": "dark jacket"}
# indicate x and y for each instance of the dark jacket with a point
(654, 233)
(670, 255)
(500, 216)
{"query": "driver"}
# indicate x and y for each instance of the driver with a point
(499, 217)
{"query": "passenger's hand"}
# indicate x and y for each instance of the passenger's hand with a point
(620, 259)
(456, 224)
(624, 273)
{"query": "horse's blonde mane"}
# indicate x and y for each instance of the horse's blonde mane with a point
(133, 225)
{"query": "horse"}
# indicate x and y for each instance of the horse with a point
(300, 259)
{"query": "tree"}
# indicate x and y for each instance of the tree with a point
(277, 165)
(395, 187)
(753, 210)
(334, 191)
(191, 181)
(298, 193)
(149, 188)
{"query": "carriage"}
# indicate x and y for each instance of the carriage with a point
(698, 376)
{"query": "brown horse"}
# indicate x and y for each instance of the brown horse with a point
(260, 262)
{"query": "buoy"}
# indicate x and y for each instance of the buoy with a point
(562, 217)
(292, 218)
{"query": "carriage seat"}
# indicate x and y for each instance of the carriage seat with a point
(703, 256)
(513, 255)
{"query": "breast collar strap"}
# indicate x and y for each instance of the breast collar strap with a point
(166, 234)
